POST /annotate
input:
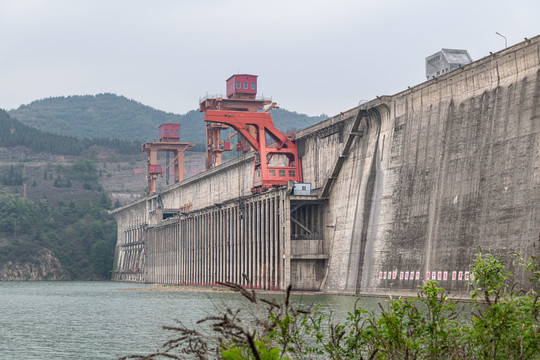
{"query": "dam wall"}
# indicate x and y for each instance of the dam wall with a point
(405, 188)
(453, 168)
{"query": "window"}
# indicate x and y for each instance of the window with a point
(176, 131)
(245, 85)
(291, 173)
(252, 86)
(281, 172)
(272, 172)
(238, 85)
(166, 132)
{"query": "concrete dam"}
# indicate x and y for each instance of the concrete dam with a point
(404, 189)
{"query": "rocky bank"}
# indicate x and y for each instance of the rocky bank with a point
(46, 267)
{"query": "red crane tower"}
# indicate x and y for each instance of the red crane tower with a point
(169, 141)
(276, 161)
(241, 96)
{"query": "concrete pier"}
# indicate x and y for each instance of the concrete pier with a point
(218, 244)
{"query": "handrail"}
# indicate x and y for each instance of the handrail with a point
(220, 96)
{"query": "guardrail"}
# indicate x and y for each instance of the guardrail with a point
(220, 96)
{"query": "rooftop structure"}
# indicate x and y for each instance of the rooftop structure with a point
(242, 86)
(446, 60)
(241, 96)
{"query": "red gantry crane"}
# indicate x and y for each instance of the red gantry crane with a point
(276, 159)
(169, 141)
(241, 96)
(276, 162)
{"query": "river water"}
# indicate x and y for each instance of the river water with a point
(106, 320)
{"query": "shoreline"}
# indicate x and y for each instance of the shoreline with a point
(225, 289)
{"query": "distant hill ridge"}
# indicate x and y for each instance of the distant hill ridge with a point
(113, 116)
(15, 133)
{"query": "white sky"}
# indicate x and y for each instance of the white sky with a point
(312, 57)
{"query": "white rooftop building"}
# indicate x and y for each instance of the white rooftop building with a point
(446, 60)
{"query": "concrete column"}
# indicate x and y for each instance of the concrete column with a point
(277, 276)
(222, 243)
(228, 243)
(215, 234)
(260, 225)
(197, 260)
(232, 242)
(234, 256)
(264, 231)
(182, 253)
(215, 247)
(202, 253)
(270, 242)
(174, 258)
(177, 257)
(151, 256)
(254, 239)
(187, 255)
(159, 257)
(219, 245)
(151, 249)
(206, 249)
(286, 240)
(242, 244)
(194, 251)
(165, 248)
(250, 243)
(190, 241)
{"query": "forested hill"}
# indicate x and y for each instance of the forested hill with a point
(54, 223)
(113, 116)
(15, 133)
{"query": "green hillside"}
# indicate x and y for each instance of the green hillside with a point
(15, 133)
(113, 116)
(52, 207)
(103, 115)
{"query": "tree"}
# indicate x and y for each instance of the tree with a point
(81, 233)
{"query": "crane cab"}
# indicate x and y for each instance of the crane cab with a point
(169, 133)
(242, 86)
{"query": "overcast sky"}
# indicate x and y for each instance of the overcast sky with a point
(312, 57)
